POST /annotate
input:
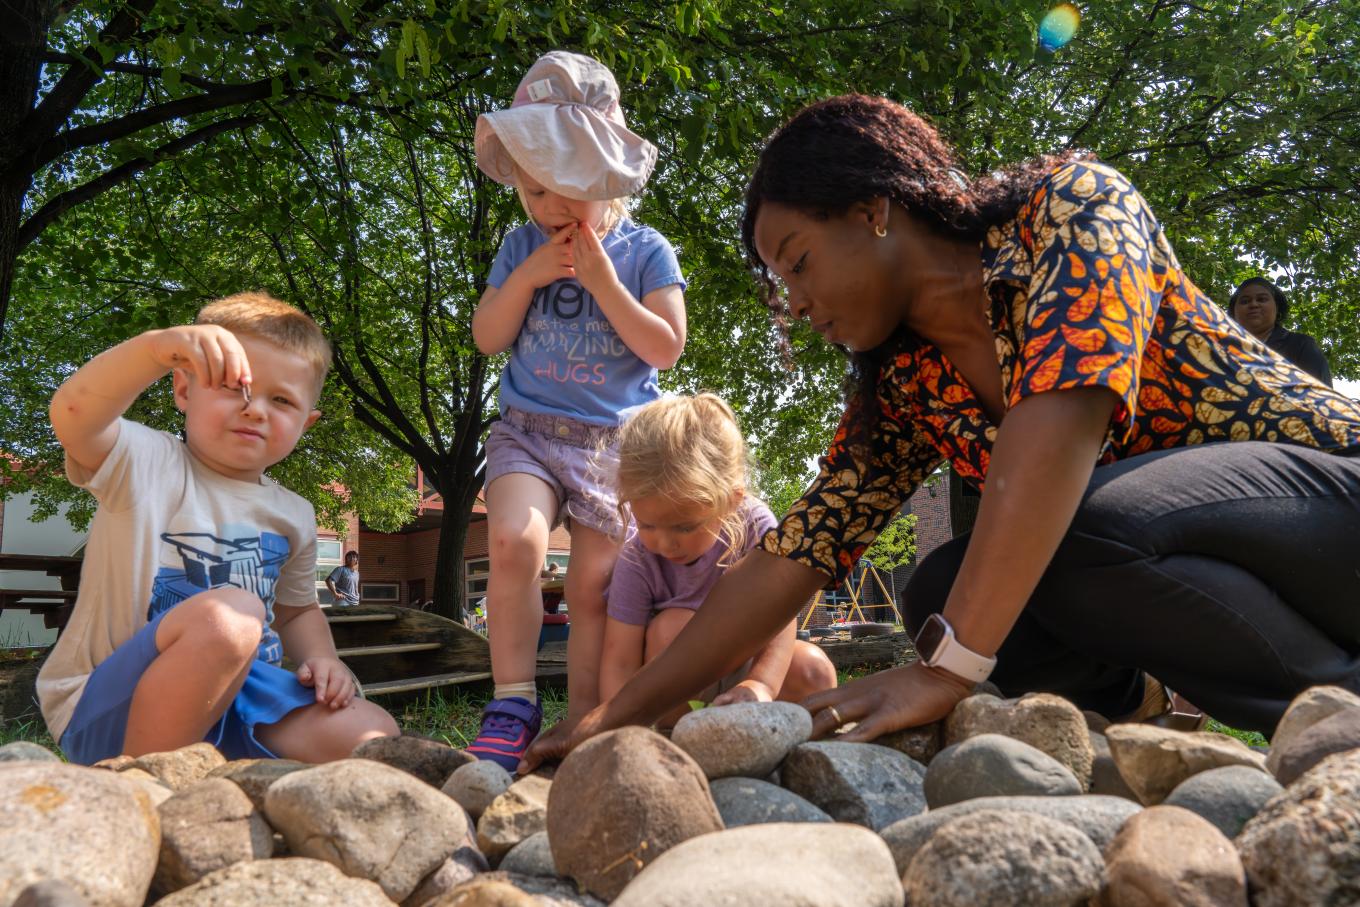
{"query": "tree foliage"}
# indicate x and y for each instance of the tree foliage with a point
(896, 544)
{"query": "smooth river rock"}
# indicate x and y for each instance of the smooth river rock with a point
(747, 739)
(863, 783)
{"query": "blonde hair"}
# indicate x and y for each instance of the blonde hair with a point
(688, 449)
(261, 315)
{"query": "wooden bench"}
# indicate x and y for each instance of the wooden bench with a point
(54, 605)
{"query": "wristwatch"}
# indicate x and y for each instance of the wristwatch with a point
(938, 648)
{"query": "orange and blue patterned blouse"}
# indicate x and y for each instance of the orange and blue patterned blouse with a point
(1085, 291)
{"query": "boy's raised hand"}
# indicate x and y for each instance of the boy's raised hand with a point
(210, 354)
(333, 682)
(550, 261)
(594, 270)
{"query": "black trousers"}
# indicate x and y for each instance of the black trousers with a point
(1231, 572)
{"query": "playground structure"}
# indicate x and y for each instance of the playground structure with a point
(852, 599)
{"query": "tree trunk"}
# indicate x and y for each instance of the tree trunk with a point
(449, 567)
(23, 38)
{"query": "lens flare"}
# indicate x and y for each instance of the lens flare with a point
(1058, 26)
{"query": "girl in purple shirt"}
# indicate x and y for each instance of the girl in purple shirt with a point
(682, 479)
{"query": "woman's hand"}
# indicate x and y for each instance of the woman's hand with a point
(563, 737)
(888, 701)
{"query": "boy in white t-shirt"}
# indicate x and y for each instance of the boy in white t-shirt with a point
(200, 572)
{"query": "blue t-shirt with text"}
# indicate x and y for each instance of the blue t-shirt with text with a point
(568, 360)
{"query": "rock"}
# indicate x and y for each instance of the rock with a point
(27, 751)
(513, 816)
(371, 820)
(205, 828)
(115, 763)
(485, 891)
(747, 739)
(531, 857)
(1307, 709)
(863, 783)
(792, 865)
(254, 776)
(183, 767)
(1303, 847)
(77, 825)
(990, 765)
(429, 760)
(747, 801)
(1097, 817)
(1096, 723)
(50, 893)
(920, 743)
(619, 801)
(1105, 777)
(476, 784)
(155, 789)
(295, 881)
(1169, 857)
(1227, 797)
(1153, 760)
(1046, 722)
(1334, 734)
(466, 864)
(997, 858)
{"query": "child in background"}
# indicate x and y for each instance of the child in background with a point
(200, 572)
(591, 306)
(682, 476)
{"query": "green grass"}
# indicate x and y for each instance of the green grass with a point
(30, 728)
(456, 715)
(1250, 738)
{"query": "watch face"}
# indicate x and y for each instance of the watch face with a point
(931, 635)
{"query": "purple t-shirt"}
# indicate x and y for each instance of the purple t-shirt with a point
(645, 583)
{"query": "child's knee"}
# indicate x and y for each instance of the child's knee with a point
(228, 620)
(515, 552)
(810, 671)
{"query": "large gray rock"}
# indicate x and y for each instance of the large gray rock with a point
(1303, 847)
(996, 858)
(1307, 709)
(531, 857)
(1227, 797)
(254, 776)
(862, 783)
(476, 784)
(1154, 760)
(373, 821)
(82, 826)
(619, 801)
(792, 865)
(1097, 817)
(429, 760)
(747, 739)
(990, 765)
(1046, 722)
(1333, 734)
(205, 828)
(183, 767)
(1169, 857)
(295, 881)
(748, 801)
(513, 816)
(466, 863)
(27, 751)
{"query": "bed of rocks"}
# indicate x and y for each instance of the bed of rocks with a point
(1008, 802)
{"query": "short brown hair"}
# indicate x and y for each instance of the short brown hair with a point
(261, 315)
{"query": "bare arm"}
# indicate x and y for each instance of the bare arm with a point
(653, 328)
(86, 408)
(501, 310)
(768, 670)
(621, 656)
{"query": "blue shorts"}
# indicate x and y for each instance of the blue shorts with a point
(100, 720)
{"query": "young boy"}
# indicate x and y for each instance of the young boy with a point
(200, 572)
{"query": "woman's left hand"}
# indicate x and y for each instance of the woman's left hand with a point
(888, 701)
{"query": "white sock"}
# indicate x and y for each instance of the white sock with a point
(527, 690)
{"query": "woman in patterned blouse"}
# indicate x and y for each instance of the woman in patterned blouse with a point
(1034, 328)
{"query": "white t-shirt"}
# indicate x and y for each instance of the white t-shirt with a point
(169, 527)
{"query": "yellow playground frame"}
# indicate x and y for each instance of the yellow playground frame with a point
(856, 591)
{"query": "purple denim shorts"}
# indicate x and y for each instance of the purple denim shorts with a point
(577, 460)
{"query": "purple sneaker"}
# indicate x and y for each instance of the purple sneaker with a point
(508, 727)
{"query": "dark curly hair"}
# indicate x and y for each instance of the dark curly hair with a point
(1281, 300)
(854, 148)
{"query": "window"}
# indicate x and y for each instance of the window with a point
(380, 592)
(328, 553)
(477, 570)
(561, 560)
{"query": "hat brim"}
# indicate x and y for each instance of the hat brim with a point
(569, 148)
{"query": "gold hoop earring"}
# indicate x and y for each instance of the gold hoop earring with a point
(880, 231)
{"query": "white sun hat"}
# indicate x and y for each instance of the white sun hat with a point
(566, 130)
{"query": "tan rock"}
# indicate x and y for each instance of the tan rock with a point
(294, 881)
(183, 767)
(1307, 709)
(513, 816)
(429, 760)
(206, 828)
(1166, 856)
(1153, 760)
(1046, 722)
(254, 776)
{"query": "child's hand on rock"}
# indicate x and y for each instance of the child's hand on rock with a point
(746, 691)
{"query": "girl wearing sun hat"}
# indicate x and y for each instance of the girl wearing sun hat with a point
(590, 305)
